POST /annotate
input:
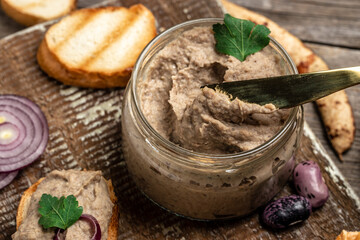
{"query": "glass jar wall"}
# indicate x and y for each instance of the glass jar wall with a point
(200, 185)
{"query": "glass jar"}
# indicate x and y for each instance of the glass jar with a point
(199, 185)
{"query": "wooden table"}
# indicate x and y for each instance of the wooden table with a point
(326, 27)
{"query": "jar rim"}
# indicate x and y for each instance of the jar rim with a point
(193, 156)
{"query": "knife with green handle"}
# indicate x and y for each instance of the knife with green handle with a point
(290, 90)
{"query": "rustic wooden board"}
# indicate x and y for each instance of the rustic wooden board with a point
(85, 133)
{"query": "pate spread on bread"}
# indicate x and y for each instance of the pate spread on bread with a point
(93, 192)
(96, 47)
(31, 12)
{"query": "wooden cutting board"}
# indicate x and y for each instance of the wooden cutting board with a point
(85, 133)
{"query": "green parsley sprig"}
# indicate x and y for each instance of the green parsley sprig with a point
(60, 213)
(239, 37)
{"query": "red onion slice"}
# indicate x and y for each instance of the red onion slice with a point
(94, 225)
(9, 133)
(33, 132)
(19, 125)
(58, 234)
(6, 178)
(24, 118)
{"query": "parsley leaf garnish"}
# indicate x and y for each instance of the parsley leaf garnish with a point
(240, 38)
(60, 213)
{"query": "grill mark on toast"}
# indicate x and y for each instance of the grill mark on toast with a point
(109, 40)
(76, 27)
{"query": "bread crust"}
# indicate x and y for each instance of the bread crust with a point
(50, 64)
(345, 235)
(114, 220)
(77, 76)
(28, 19)
(25, 202)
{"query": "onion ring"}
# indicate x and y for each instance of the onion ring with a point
(58, 232)
(33, 132)
(94, 225)
(6, 178)
(9, 133)
(11, 119)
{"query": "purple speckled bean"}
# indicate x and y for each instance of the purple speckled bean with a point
(309, 183)
(286, 211)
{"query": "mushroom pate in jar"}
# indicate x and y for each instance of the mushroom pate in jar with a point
(192, 150)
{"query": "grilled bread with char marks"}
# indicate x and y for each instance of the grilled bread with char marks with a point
(98, 47)
(31, 12)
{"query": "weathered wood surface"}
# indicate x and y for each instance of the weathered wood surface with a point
(327, 22)
(85, 133)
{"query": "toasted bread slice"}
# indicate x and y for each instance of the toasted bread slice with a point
(26, 199)
(30, 12)
(96, 47)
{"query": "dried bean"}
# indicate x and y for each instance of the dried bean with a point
(286, 211)
(310, 184)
